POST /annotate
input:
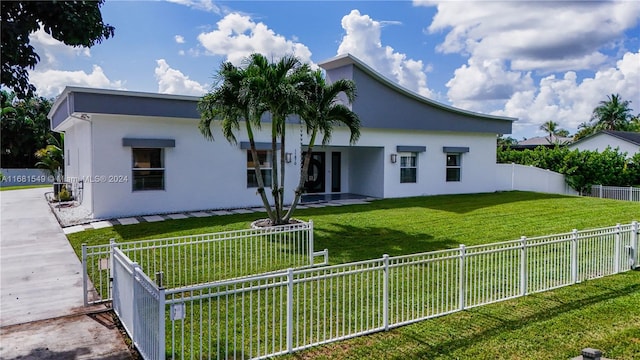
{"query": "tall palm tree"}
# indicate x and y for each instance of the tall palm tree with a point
(258, 89)
(277, 87)
(322, 112)
(550, 127)
(231, 103)
(612, 114)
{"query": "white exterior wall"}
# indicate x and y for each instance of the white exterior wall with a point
(78, 154)
(600, 142)
(199, 174)
(370, 159)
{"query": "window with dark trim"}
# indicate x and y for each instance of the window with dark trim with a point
(147, 168)
(453, 166)
(264, 158)
(408, 167)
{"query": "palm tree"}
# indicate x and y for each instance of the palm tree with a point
(231, 103)
(246, 94)
(322, 112)
(612, 114)
(277, 88)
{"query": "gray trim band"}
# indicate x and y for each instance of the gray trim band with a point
(455, 149)
(148, 143)
(404, 148)
(245, 145)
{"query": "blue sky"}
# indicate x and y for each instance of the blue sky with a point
(537, 61)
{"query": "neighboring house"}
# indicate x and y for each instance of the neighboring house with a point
(544, 141)
(625, 141)
(138, 153)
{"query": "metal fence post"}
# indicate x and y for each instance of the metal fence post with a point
(634, 245)
(310, 242)
(616, 251)
(574, 256)
(112, 245)
(523, 266)
(161, 324)
(134, 312)
(385, 291)
(85, 277)
(462, 278)
(630, 193)
(290, 310)
(600, 190)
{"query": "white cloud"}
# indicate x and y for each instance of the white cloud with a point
(205, 5)
(534, 35)
(172, 81)
(570, 101)
(179, 39)
(50, 49)
(508, 42)
(362, 39)
(238, 36)
(51, 82)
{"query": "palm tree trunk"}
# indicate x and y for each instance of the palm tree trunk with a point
(304, 172)
(274, 174)
(258, 170)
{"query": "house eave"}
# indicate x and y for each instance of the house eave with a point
(348, 59)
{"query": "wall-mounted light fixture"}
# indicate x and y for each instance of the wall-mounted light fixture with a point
(394, 158)
(287, 157)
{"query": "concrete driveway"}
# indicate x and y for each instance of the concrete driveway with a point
(41, 310)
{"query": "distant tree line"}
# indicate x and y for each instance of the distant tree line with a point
(24, 129)
(581, 168)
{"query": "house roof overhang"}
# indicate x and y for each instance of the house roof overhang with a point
(427, 114)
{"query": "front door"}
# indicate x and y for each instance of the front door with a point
(315, 177)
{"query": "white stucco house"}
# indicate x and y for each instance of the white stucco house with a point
(135, 153)
(626, 141)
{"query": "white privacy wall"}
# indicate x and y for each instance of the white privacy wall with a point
(199, 174)
(530, 178)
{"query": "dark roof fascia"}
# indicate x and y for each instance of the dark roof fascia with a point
(348, 59)
(118, 102)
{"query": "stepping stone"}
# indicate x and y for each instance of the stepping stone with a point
(73, 229)
(302, 207)
(200, 214)
(128, 221)
(153, 218)
(101, 224)
(315, 205)
(242, 211)
(221, 212)
(352, 202)
(177, 216)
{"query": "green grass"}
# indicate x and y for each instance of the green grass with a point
(602, 314)
(20, 187)
(409, 225)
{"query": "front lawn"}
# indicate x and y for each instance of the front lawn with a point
(409, 225)
(601, 313)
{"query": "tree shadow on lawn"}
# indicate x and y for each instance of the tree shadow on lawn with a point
(503, 320)
(465, 203)
(347, 243)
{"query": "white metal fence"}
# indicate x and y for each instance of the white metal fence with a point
(281, 312)
(629, 193)
(188, 260)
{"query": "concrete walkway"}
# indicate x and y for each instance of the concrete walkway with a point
(41, 310)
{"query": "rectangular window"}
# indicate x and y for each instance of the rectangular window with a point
(148, 169)
(264, 158)
(408, 167)
(453, 167)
